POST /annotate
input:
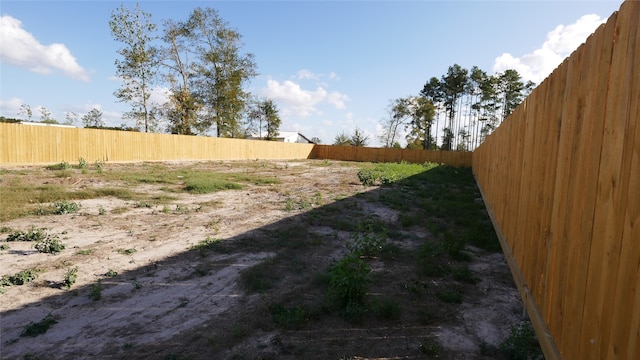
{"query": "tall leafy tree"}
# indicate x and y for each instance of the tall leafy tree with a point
(265, 119)
(453, 84)
(220, 72)
(398, 117)
(93, 118)
(25, 110)
(182, 109)
(137, 66)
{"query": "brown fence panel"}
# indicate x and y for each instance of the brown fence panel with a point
(560, 178)
(367, 154)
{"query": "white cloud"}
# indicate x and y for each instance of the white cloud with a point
(21, 48)
(306, 74)
(559, 44)
(294, 100)
(10, 107)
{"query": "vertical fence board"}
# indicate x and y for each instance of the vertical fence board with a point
(573, 241)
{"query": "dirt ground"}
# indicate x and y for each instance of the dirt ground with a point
(170, 300)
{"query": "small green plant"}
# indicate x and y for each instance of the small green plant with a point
(95, 290)
(348, 286)
(20, 278)
(430, 348)
(82, 163)
(289, 318)
(65, 207)
(32, 234)
(388, 309)
(209, 244)
(4, 247)
(41, 327)
(70, 277)
(521, 344)
(136, 284)
(84, 252)
(99, 166)
(111, 273)
(450, 296)
(102, 211)
(50, 245)
(166, 209)
(130, 251)
(455, 246)
(366, 242)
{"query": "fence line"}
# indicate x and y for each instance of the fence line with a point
(561, 180)
(27, 144)
(367, 154)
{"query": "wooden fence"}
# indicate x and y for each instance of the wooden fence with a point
(356, 153)
(561, 179)
(30, 144)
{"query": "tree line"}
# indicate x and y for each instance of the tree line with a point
(454, 112)
(199, 59)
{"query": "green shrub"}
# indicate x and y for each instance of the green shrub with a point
(70, 277)
(50, 245)
(289, 318)
(21, 278)
(348, 285)
(32, 234)
(65, 207)
(367, 242)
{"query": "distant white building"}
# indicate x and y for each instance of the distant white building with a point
(287, 136)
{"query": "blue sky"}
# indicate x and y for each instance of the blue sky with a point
(330, 66)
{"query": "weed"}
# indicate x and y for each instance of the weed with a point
(209, 244)
(367, 242)
(289, 318)
(257, 278)
(70, 277)
(4, 247)
(464, 274)
(136, 284)
(450, 296)
(65, 207)
(430, 348)
(143, 204)
(521, 344)
(4, 229)
(84, 252)
(61, 166)
(95, 290)
(130, 251)
(102, 211)
(455, 246)
(20, 278)
(387, 308)
(41, 327)
(99, 166)
(82, 163)
(111, 273)
(32, 234)
(165, 209)
(348, 285)
(50, 245)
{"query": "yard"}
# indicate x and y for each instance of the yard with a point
(252, 260)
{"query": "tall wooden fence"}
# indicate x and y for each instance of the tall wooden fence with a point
(561, 179)
(356, 153)
(30, 144)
